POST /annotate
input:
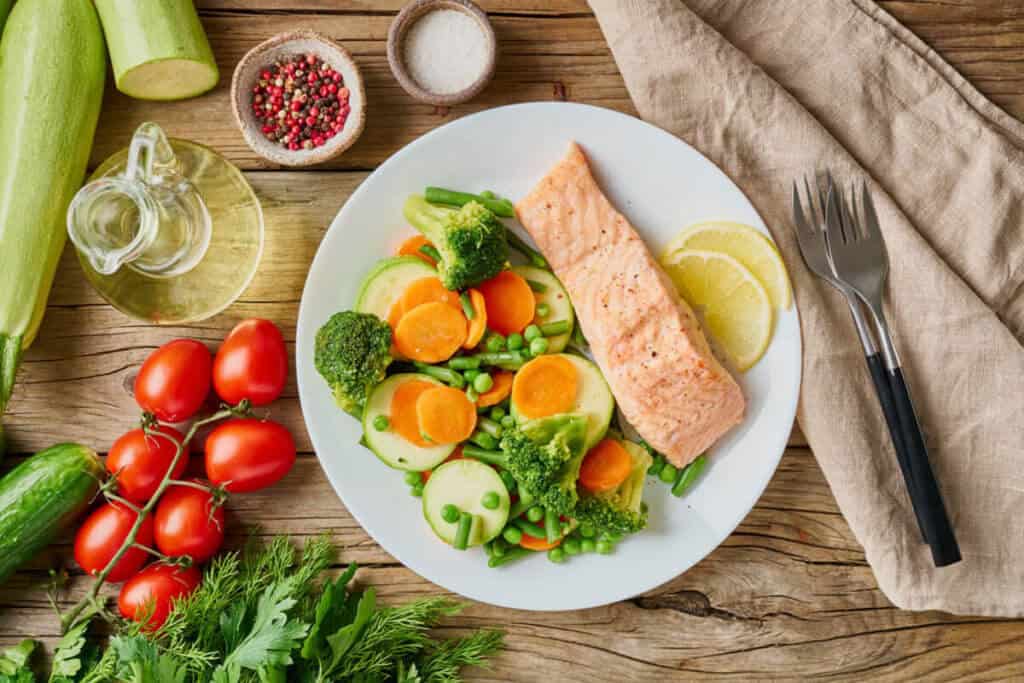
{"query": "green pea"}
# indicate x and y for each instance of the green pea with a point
(498, 549)
(571, 546)
(483, 383)
(668, 473)
(495, 343)
(515, 341)
(487, 194)
(508, 422)
(512, 534)
(604, 547)
(556, 555)
(543, 310)
(587, 545)
(587, 530)
(532, 332)
(539, 346)
(659, 463)
(497, 412)
(472, 394)
(413, 478)
(535, 514)
(381, 423)
(508, 480)
(471, 375)
(450, 513)
(490, 500)
(417, 489)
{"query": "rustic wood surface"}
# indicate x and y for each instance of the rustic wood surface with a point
(788, 595)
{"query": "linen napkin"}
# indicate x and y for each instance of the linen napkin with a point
(771, 91)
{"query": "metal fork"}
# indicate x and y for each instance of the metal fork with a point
(859, 259)
(810, 233)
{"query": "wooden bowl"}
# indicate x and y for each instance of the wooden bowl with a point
(285, 45)
(396, 50)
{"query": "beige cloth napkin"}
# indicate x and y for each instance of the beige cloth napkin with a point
(771, 91)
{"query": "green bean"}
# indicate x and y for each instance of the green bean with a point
(535, 513)
(464, 363)
(509, 481)
(495, 357)
(587, 545)
(471, 394)
(529, 529)
(467, 306)
(512, 554)
(499, 207)
(498, 547)
(512, 535)
(412, 478)
(655, 469)
(483, 382)
(688, 475)
(556, 555)
(508, 422)
(532, 332)
(556, 328)
(430, 251)
(517, 243)
(539, 346)
(489, 426)
(543, 310)
(514, 341)
(495, 343)
(497, 412)
(450, 513)
(538, 287)
(490, 500)
(485, 456)
(487, 194)
(417, 489)
(668, 473)
(484, 440)
(381, 423)
(471, 374)
(462, 533)
(446, 375)
(552, 526)
(571, 546)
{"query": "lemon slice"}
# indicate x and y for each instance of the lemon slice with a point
(745, 244)
(736, 307)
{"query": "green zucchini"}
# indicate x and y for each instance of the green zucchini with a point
(158, 48)
(5, 9)
(43, 496)
(52, 67)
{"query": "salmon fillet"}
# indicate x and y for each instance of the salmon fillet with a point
(644, 337)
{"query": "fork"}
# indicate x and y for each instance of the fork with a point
(810, 234)
(859, 259)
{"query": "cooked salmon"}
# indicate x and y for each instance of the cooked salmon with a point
(646, 339)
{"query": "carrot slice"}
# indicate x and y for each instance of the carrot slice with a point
(498, 392)
(403, 417)
(431, 332)
(411, 247)
(456, 455)
(478, 325)
(422, 291)
(545, 386)
(605, 466)
(510, 302)
(531, 543)
(445, 415)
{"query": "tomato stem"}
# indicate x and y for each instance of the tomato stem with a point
(243, 409)
(114, 498)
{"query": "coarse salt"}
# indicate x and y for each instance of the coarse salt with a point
(445, 51)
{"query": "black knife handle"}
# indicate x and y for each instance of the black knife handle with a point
(924, 494)
(885, 399)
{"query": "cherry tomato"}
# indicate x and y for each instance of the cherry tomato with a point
(252, 363)
(101, 536)
(248, 455)
(153, 591)
(174, 381)
(140, 462)
(187, 523)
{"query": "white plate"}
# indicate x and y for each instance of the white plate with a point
(662, 185)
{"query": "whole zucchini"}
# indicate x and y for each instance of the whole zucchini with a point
(43, 496)
(52, 67)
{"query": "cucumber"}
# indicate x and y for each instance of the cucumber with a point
(52, 67)
(593, 398)
(557, 300)
(158, 48)
(463, 483)
(392, 449)
(387, 281)
(43, 496)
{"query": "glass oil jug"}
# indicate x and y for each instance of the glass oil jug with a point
(167, 231)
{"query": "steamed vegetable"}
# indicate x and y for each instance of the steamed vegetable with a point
(510, 302)
(544, 456)
(352, 354)
(52, 66)
(158, 48)
(431, 332)
(5, 9)
(619, 510)
(470, 241)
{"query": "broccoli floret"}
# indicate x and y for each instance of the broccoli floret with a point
(352, 354)
(544, 456)
(471, 240)
(620, 510)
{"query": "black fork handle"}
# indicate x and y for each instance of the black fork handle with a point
(924, 491)
(885, 399)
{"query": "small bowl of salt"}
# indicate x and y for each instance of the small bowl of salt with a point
(442, 52)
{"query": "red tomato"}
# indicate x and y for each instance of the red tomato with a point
(187, 523)
(153, 592)
(140, 462)
(251, 363)
(248, 455)
(103, 533)
(174, 381)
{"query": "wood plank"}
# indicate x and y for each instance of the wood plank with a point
(788, 595)
(525, 7)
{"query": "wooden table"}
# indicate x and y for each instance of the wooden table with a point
(787, 595)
